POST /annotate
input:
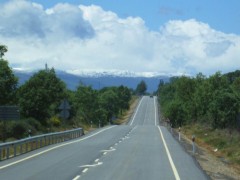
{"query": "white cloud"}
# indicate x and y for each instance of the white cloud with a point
(70, 37)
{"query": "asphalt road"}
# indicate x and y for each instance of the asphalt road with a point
(140, 150)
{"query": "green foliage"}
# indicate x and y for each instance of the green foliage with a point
(41, 95)
(86, 103)
(175, 112)
(141, 88)
(8, 84)
(109, 102)
(17, 129)
(3, 50)
(214, 100)
(124, 96)
(35, 124)
(93, 106)
(55, 121)
(39, 99)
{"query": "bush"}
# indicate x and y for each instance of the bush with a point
(18, 129)
(35, 124)
(55, 121)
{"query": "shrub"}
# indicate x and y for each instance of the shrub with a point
(18, 129)
(55, 121)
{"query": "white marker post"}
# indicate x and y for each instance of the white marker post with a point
(193, 144)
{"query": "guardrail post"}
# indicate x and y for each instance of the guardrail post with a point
(15, 149)
(21, 148)
(31, 142)
(8, 152)
(26, 147)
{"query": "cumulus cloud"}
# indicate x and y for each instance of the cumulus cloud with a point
(20, 18)
(70, 37)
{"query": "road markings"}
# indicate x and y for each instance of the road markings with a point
(76, 178)
(85, 170)
(104, 153)
(91, 165)
(96, 160)
(136, 112)
(175, 172)
(55, 147)
(155, 108)
(110, 150)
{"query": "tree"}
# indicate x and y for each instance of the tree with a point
(223, 109)
(8, 84)
(86, 104)
(141, 88)
(124, 95)
(41, 95)
(3, 50)
(109, 103)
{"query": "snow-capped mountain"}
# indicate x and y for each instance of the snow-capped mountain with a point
(117, 73)
(100, 79)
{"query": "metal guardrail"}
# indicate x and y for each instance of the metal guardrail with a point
(16, 148)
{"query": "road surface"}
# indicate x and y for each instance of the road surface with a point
(138, 151)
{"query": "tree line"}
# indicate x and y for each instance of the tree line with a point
(39, 99)
(213, 100)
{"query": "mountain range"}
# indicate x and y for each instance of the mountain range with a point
(102, 79)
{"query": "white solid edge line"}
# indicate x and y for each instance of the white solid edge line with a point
(136, 112)
(77, 177)
(175, 172)
(55, 147)
(155, 108)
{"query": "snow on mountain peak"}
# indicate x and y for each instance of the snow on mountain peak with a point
(119, 73)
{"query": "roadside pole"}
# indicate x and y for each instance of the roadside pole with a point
(193, 144)
(179, 133)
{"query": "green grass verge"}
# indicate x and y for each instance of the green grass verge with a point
(225, 141)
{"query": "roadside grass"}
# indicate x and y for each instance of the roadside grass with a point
(224, 144)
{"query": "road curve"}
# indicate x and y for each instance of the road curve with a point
(140, 150)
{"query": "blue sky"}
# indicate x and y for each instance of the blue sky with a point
(221, 15)
(147, 37)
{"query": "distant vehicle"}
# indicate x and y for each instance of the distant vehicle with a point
(151, 96)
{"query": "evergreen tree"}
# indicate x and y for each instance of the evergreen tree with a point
(141, 88)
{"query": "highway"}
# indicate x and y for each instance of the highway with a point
(138, 151)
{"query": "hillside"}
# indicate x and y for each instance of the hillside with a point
(99, 81)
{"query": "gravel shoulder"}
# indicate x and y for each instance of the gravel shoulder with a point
(215, 166)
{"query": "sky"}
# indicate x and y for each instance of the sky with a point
(155, 36)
